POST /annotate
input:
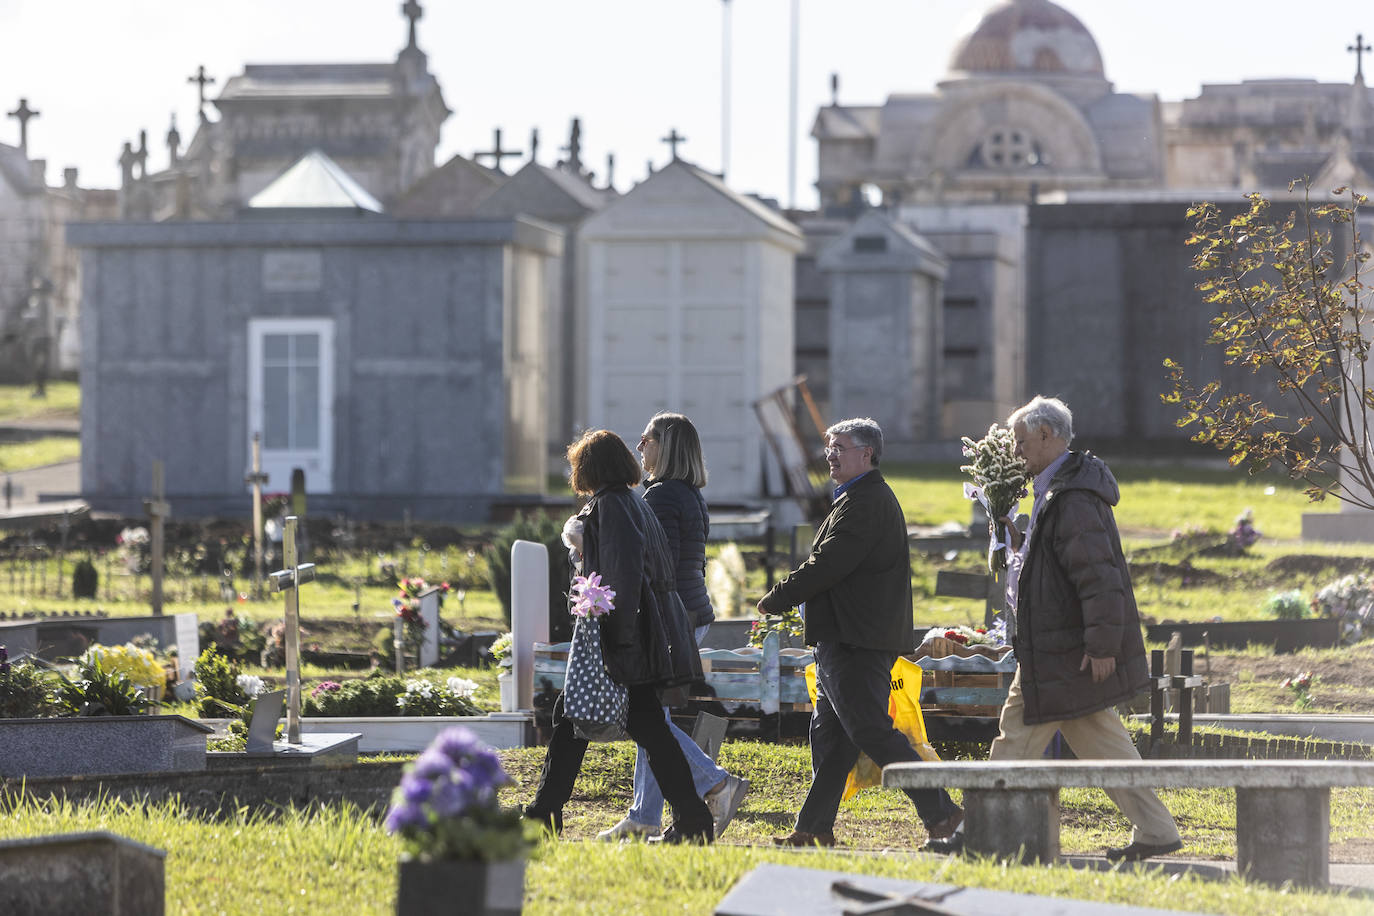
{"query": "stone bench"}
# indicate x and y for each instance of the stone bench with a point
(1283, 807)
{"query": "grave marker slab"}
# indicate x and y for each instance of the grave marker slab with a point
(74, 874)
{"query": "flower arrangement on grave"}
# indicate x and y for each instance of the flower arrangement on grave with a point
(789, 622)
(217, 687)
(725, 578)
(446, 807)
(970, 636)
(1301, 685)
(1350, 599)
(95, 690)
(24, 689)
(589, 597)
(135, 548)
(1289, 605)
(424, 698)
(999, 483)
(325, 687)
(501, 648)
(1244, 534)
(136, 663)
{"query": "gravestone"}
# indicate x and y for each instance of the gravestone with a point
(188, 645)
(529, 614)
(429, 613)
(75, 874)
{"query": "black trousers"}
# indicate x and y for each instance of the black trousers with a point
(852, 689)
(649, 729)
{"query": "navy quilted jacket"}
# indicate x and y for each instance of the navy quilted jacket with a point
(682, 512)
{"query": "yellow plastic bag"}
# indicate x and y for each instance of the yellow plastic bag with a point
(904, 706)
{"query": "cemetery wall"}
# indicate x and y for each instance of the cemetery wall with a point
(1110, 293)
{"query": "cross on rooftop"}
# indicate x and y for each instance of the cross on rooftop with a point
(23, 113)
(673, 139)
(1358, 49)
(413, 12)
(201, 81)
(496, 154)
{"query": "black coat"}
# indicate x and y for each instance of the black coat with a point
(647, 638)
(1074, 598)
(682, 512)
(857, 581)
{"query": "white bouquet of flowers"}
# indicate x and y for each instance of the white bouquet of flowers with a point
(999, 482)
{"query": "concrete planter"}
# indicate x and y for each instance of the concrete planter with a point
(38, 748)
(466, 888)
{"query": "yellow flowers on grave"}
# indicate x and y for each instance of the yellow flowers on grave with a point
(139, 665)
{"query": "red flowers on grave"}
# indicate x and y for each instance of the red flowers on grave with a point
(956, 636)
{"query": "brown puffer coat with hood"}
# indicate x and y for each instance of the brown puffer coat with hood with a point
(1074, 598)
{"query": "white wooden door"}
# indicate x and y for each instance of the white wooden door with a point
(291, 399)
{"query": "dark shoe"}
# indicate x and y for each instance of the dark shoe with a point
(946, 846)
(943, 830)
(801, 838)
(550, 820)
(674, 837)
(1137, 851)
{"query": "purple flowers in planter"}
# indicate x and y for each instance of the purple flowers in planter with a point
(446, 805)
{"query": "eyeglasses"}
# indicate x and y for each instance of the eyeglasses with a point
(834, 451)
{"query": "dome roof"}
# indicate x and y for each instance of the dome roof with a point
(1029, 36)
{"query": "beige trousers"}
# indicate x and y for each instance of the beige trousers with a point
(1098, 736)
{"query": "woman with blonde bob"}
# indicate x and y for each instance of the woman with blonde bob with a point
(617, 536)
(675, 472)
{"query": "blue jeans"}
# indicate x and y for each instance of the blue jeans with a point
(647, 808)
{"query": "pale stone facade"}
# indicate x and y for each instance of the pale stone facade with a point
(688, 292)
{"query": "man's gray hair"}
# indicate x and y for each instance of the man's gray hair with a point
(863, 432)
(1050, 413)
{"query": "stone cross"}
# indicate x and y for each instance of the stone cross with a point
(257, 480)
(412, 11)
(496, 153)
(23, 114)
(1358, 49)
(201, 81)
(289, 579)
(574, 147)
(673, 139)
(158, 510)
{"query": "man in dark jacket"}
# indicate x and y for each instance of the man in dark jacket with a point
(1078, 644)
(855, 595)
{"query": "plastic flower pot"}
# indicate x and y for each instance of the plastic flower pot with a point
(506, 681)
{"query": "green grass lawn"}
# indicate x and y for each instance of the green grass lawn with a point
(18, 403)
(35, 453)
(335, 859)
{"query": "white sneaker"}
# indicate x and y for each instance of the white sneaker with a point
(724, 802)
(626, 829)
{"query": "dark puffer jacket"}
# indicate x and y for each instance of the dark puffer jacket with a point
(682, 512)
(1074, 598)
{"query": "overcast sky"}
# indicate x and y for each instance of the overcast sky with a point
(99, 70)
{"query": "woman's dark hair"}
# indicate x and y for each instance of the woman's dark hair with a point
(679, 453)
(599, 458)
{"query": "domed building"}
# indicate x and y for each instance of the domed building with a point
(1026, 106)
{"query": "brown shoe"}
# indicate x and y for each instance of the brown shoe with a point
(803, 839)
(944, 829)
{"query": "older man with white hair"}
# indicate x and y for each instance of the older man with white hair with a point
(1079, 648)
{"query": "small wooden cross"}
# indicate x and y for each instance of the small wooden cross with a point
(257, 480)
(673, 139)
(201, 81)
(288, 580)
(23, 114)
(497, 153)
(1358, 49)
(412, 11)
(158, 510)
